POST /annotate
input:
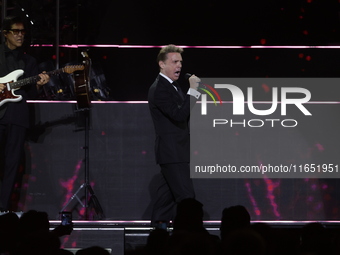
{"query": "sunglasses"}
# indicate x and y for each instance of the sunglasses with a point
(17, 31)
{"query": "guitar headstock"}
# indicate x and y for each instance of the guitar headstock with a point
(84, 54)
(73, 68)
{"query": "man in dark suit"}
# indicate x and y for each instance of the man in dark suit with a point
(170, 111)
(14, 116)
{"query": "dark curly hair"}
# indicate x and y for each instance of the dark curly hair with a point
(9, 21)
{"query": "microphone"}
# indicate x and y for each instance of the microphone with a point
(188, 75)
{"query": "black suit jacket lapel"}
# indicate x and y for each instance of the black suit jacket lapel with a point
(170, 86)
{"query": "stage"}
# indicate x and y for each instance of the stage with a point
(120, 237)
(123, 175)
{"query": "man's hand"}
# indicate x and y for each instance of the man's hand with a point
(62, 230)
(194, 81)
(2, 87)
(44, 78)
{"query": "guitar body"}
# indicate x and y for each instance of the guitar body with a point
(82, 84)
(12, 83)
(8, 95)
(82, 90)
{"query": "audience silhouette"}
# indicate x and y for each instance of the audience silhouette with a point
(30, 234)
(93, 250)
(234, 218)
(8, 232)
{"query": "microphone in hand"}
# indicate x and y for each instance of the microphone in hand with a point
(194, 81)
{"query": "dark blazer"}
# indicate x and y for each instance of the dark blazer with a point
(170, 114)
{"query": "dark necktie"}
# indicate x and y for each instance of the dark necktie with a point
(180, 92)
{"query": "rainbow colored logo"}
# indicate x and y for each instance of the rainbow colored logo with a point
(206, 90)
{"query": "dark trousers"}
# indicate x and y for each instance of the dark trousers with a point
(174, 186)
(12, 140)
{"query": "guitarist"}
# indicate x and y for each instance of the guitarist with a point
(14, 116)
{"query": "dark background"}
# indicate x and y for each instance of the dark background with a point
(125, 177)
(157, 22)
(126, 73)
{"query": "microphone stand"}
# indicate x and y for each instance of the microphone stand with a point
(89, 193)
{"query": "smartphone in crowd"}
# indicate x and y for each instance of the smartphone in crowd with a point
(66, 218)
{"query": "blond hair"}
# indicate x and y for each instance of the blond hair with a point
(163, 53)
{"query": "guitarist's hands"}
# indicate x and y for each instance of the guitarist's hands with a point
(2, 87)
(44, 78)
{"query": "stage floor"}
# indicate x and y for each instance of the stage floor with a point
(121, 236)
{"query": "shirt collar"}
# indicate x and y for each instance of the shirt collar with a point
(166, 77)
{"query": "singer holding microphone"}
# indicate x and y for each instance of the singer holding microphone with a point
(170, 111)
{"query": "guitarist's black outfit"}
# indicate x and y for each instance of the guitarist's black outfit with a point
(14, 120)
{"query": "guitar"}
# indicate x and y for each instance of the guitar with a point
(82, 84)
(12, 83)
